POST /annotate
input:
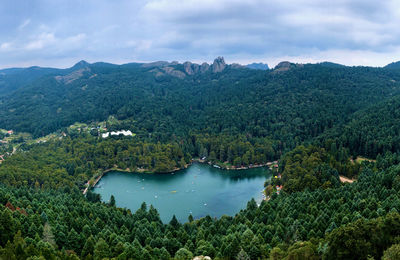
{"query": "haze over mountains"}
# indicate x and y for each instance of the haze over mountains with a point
(13, 78)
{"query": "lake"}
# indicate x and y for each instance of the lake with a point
(199, 190)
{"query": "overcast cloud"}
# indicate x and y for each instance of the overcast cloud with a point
(60, 33)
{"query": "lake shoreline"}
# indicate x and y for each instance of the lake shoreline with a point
(199, 190)
(147, 171)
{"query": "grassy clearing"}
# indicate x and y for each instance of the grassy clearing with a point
(360, 159)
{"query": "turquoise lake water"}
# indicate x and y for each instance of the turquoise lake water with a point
(199, 190)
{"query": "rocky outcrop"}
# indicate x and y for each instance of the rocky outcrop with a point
(218, 65)
(286, 65)
(191, 68)
(81, 65)
(173, 72)
(69, 78)
(161, 68)
(204, 67)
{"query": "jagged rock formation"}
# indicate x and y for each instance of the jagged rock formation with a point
(161, 68)
(191, 68)
(286, 65)
(173, 72)
(218, 65)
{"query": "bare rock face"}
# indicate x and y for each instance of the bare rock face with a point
(218, 65)
(175, 73)
(204, 67)
(285, 66)
(174, 69)
(191, 68)
(74, 75)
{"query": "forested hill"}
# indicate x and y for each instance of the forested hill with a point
(370, 131)
(13, 79)
(300, 101)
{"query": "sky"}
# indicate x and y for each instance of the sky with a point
(60, 33)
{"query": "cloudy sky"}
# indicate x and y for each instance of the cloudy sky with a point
(60, 33)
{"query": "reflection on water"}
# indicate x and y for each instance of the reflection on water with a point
(199, 190)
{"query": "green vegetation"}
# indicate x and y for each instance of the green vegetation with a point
(312, 168)
(323, 219)
(320, 121)
(71, 162)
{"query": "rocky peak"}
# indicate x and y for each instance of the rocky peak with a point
(286, 65)
(218, 65)
(80, 65)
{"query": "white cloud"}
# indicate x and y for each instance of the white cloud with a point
(5, 46)
(24, 24)
(75, 39)
(345, 31)
(41, 41)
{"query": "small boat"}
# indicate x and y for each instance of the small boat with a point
(205, 204)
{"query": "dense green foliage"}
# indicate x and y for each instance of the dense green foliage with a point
(71, 162)
(311, 168)
(13, 79)
(84, 227)
(290, 107)
(317, 117)
(372, 131)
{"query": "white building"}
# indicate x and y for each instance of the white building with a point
(121, 132)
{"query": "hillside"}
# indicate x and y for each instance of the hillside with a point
(393, 65)
(233, 100)
(13, 79)
(370, 131)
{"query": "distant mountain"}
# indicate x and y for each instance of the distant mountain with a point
(258, 66)
(15, 78)
(393, 65)
(331, 64)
